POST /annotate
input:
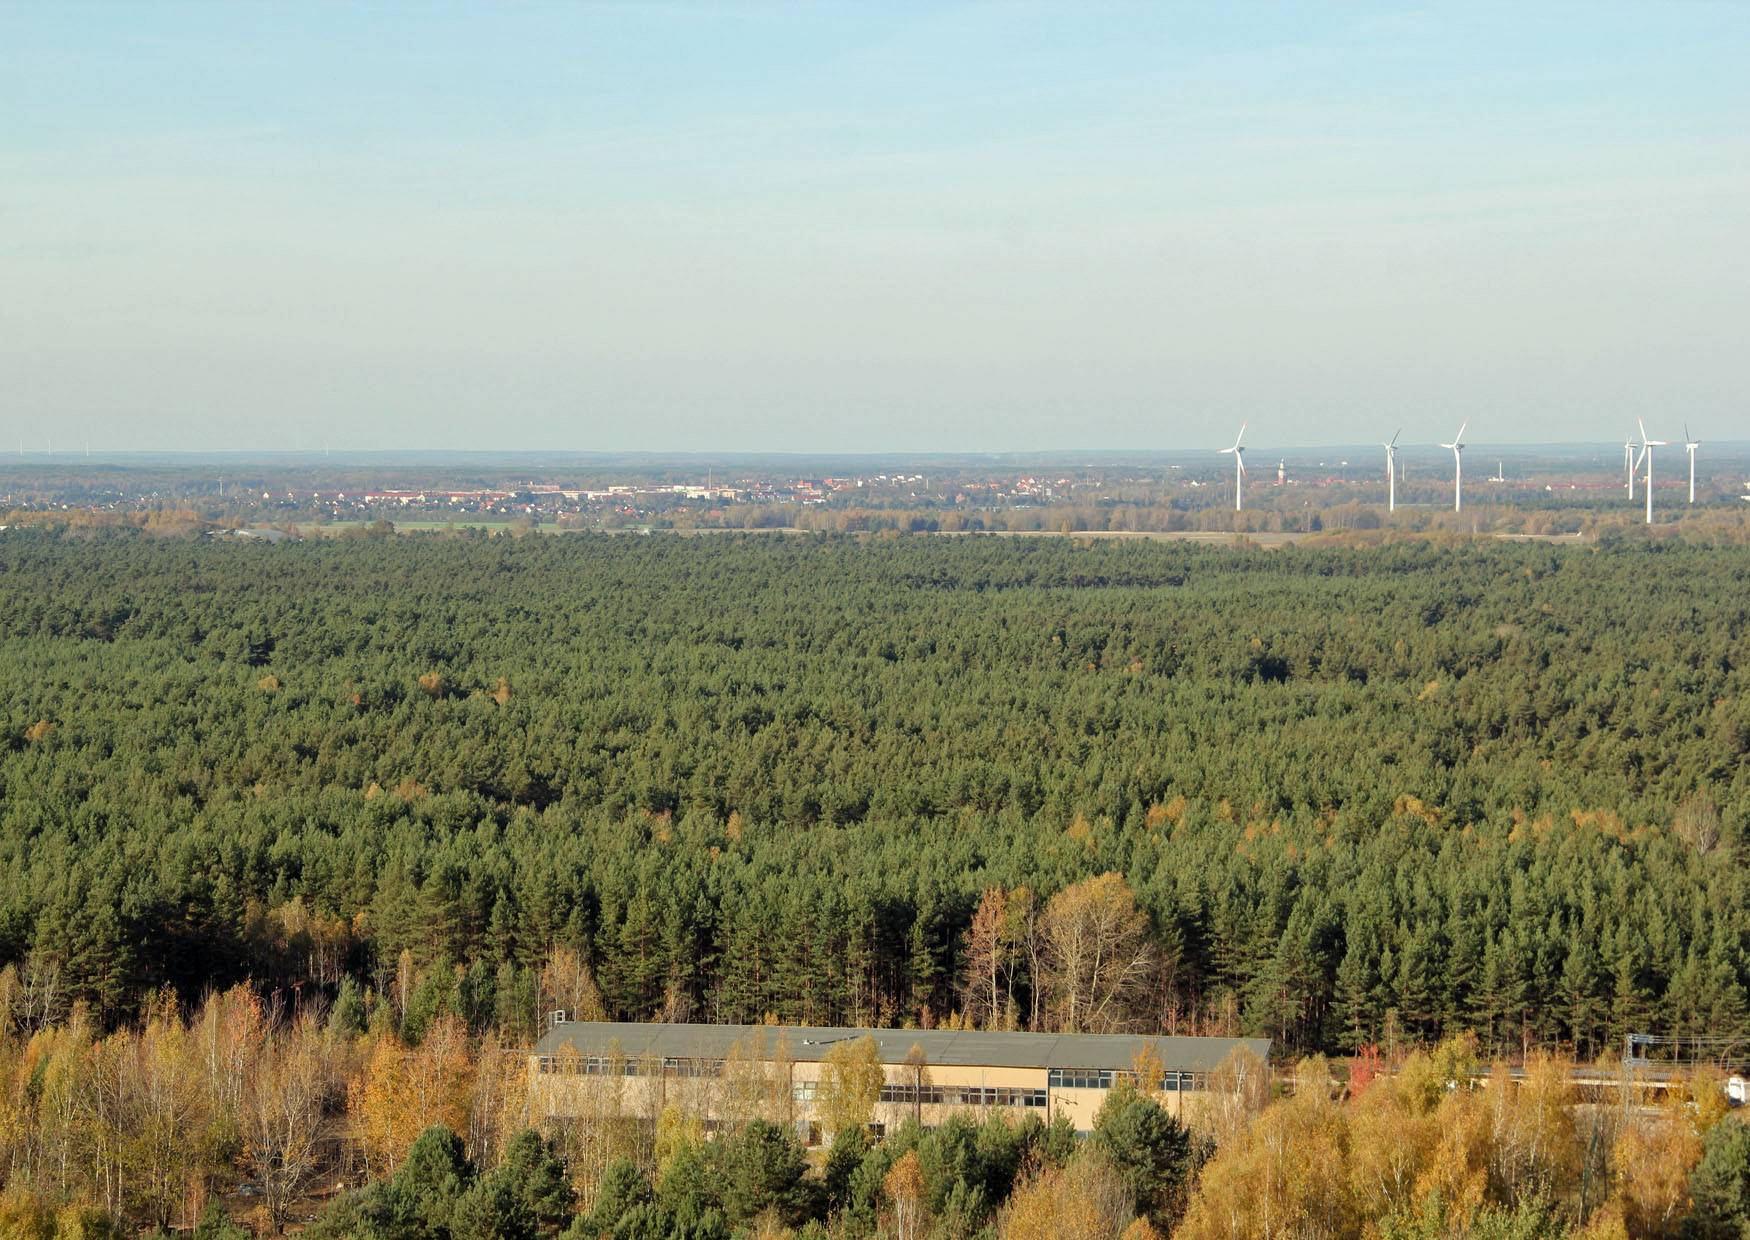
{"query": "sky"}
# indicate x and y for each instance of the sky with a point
(870, 227)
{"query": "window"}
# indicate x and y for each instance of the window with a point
(963, 1096)
(1084, 1078)
(612, 1065)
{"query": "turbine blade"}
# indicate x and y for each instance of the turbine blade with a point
(1643, 427)
(1459, 438)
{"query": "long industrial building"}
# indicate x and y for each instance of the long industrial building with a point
(930, 1074)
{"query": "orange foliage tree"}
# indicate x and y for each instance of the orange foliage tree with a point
(404, 1090)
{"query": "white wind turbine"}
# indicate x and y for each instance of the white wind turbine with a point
(1628, 464)
(1690, 445)
(1391, 472)
(1457, 446)
(1647, 446)
(1239, 455)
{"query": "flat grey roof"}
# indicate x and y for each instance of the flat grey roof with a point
(941, 1046)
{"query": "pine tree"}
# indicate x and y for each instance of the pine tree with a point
(1356, 1004)
(347, 1017)
(1579, 989)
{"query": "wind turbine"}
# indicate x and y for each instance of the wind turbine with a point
(1457, 446)
(1647, 446)
(1690, 445)
(1391, 471)
(1239, 455)
(1628, 464)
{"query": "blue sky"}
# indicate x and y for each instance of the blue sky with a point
(869, 227)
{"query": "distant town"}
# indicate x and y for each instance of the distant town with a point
(1520, 490)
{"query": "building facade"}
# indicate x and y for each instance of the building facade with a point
(581, 1069)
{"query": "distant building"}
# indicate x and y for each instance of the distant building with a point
(930, 1074)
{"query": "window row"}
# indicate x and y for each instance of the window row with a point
(620, 1065)
(963, 1096)
(1058, 1078)
(1105, 1078)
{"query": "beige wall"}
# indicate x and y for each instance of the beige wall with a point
(568, 1096)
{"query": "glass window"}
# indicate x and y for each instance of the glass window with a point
(1082, 1078)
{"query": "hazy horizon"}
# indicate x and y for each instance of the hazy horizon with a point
(842, 230)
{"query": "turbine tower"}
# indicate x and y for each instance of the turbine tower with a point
(1239, 455)
(1457, 446)
(1628, 464)
(1690, 444)
(1391, 471)
(1647, 446)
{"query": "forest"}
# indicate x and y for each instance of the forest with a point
(1344, 797)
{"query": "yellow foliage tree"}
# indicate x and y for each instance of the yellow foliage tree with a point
(756, 1080)
(568, 984)
(1098, 955)
(402, 1091)
(1457, 1169)
(1536, 1150)
(1653, 1157)
(1087, 1200)
(851, 1078)
(1235, 1093)
(1282, 1177)
(904, 1187)
(281, 1112)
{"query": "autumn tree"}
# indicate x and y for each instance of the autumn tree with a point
(284, 1103)
(755, 1084)
(1097, 957)
(1233, 1095)
(403, 1091)
(851, 1077)
(1393, 1130)
(498, 1105)
(917, 1072)
(569, 986)
(1084, 1200)
(1283, 1176)
(150, 1120)
(904, 1188)
(985, 951)
(1657, 1153)
(1535, 1152)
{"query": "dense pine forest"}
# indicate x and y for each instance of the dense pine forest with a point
(303, 841)
(1345, 795)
